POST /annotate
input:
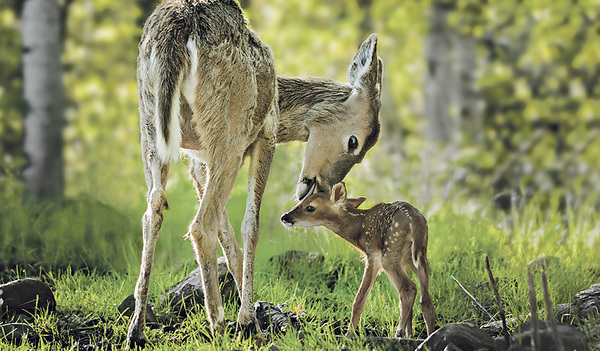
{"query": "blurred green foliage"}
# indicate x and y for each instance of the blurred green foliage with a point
(537, 74)
(11, 93)
(538, 77)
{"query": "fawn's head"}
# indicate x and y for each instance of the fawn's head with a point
(340, 135)
(321, 208)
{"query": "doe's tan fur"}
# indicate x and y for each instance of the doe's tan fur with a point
(391, 236)
(207, 86)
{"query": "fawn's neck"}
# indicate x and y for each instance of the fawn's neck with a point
(297, 96)
(350, 225)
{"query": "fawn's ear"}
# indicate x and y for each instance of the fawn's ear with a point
(338, 193)
(356, 201)
(365, 70)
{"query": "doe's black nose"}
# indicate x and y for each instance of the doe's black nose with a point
(285, 219)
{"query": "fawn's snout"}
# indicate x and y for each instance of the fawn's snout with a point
(305, 213)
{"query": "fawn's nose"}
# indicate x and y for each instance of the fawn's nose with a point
(287, 220)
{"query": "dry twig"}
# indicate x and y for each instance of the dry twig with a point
(498, 301)
(535, 341)
(550, 314)
(473, 298)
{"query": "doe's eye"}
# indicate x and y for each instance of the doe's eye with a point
(310, 208)
(352, 143)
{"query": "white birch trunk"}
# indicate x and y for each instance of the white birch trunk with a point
(441, 127)
(468, 99)
(42, 80)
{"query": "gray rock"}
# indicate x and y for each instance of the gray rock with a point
(494, 328)
(17, 332)
(521, 337)
(383, 343)
(458, 337)
(271, 318)
(27, 296)
(189, 291)
(127, 307)
(587, 302)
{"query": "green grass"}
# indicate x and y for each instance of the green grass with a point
(62, 238)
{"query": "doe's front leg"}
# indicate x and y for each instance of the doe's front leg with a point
(260, 163)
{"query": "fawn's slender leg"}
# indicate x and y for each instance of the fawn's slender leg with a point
(260, 162)
(371, 271)
(203, 230)
(407, 291)
(422, 273)
(156, 176)
(232, 250)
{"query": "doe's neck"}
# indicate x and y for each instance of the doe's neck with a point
(297, 96)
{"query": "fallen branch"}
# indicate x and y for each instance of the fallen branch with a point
(535, 341)
(550, 314)
(498, 301)
(473, 298)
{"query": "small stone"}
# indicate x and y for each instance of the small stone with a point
(522, 335)
(189, 291)
(27, 296)
(16, 332)
(586, 304)
(457, 336)
(271, 318)
(127, 307)
(384, 343)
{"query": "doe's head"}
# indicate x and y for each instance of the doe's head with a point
(340, 133)
(322, 208)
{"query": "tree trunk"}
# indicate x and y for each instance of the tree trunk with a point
(366, 23)
(391, 126)
(468, 99)
(441, 126)
(42, 80)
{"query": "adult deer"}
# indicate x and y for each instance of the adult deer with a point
(392, 237)
(207, 85)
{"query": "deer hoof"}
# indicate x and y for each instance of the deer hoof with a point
(136, 342)
(251, 330)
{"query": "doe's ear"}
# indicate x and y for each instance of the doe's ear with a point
(365, 70)
(356, 201)
(338, 193)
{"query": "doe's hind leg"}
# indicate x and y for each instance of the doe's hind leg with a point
(203, 231)
(156, 176)
(233, 252)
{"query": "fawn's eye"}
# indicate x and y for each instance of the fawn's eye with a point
(310, 208)
(352, 143)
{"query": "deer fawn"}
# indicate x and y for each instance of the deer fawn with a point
(392, 237)
(207, 85)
